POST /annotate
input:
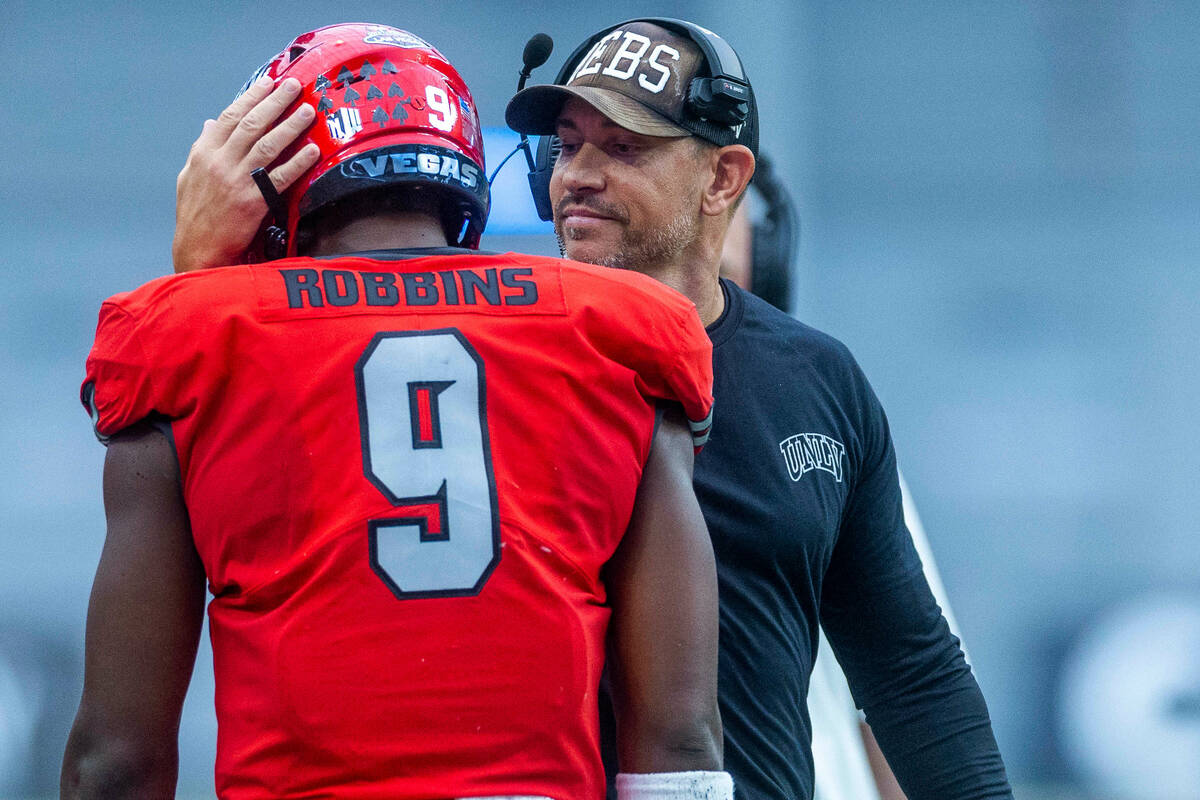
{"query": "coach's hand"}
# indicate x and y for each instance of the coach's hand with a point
(218, 207)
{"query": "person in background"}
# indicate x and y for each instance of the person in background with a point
(759, 257)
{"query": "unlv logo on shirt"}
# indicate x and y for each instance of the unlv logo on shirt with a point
(805, 452)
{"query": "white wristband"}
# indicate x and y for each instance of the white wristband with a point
(696, 785)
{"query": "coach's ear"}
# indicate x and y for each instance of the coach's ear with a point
(732, 168)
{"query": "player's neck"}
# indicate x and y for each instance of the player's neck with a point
(379, 232)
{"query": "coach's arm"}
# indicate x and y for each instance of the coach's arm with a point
(663, 639)
(143, 628)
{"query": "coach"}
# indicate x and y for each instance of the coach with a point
(658, 131)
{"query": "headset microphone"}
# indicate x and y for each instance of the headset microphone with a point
(537, 52)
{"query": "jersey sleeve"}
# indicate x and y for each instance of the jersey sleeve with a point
(127, 379)
(650, 328)
(671, 353)
(116, 389)
(682, 371)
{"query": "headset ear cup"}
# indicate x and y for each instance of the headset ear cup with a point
(763, 265)
(776, 239)
(772, 251)
(539, 186)
(539, 180)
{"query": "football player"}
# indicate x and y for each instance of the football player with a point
(422, 483)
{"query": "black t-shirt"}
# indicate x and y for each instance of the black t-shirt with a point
(799, 487)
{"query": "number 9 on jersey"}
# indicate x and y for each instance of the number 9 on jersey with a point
(423, 421)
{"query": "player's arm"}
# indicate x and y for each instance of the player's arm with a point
(663, 641)
(143, 627)
(218, 207)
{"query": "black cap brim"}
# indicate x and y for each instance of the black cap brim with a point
(536, 110)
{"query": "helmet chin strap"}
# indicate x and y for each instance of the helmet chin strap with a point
(276, 238)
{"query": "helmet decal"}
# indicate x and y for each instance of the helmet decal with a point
(379, 34)
(344, 123)
(387, 103)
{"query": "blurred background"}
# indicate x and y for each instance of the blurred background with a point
(1001, 217)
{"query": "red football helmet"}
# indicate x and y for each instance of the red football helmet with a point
(390, 109)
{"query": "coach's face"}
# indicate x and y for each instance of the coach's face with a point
(623, 199)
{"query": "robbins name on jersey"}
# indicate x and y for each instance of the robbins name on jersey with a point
(319, 288)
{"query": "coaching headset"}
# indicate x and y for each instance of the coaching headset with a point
(716, 104)
(776, 237)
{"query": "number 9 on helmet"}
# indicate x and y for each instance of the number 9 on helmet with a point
(391, 112)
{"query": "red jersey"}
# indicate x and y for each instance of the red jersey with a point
(403, 478)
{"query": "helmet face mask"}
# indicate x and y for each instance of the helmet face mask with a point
(391, 111)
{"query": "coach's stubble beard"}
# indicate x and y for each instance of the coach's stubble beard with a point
(640, 251)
